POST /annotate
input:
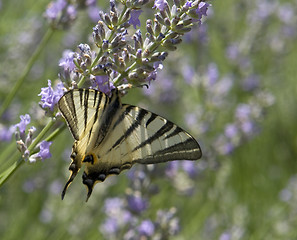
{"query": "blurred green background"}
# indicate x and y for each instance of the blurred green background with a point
(250, 193)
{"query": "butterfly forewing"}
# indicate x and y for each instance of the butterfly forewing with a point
(111, 137)
(81, 108)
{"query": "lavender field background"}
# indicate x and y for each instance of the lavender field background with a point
(230, 83)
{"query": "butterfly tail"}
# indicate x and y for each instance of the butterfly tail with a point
(73, 168)
(72, 176)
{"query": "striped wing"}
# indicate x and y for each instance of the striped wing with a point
(148, 138)
(111, 137)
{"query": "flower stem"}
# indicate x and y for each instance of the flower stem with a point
(31, 61)
(18, 160)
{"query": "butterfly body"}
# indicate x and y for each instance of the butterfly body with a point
(110, 136)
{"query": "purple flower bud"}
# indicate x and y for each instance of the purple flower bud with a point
(243, 112)
(67, 61)
(25, 120)
(50, 96)
(54, 9)
(189, 167)
(134, 18)
(44, 152)
(104, 84)
(231, 130)
(71, 12)
(172, 169)
(112, 206)
(188, 73)
(251, 83)
(160, 4)
(188, 4)
(146, 228)
(202, 8)
(93, 12)
(6, 133)
(213, 73)
(137, 204)
(248, 127)
(225, 236)
(110, 226)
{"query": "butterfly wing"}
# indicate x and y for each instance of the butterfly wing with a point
(82, 110)
(148, 138)
(111, 137)
(138, 136)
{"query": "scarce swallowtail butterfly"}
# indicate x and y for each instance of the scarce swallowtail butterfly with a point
(110, 136)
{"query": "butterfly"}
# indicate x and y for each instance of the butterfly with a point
(110, 136)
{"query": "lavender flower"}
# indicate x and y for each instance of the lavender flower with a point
(137, 203)
(231, 130)
(60, 14)
(134, 19)
(23, 141)
(225, 236)
(67, 61)
(50, 96)
(146, 228)
(160, 4)
(110, 227)
(202, 9)
(117, 217)
(43, 153)
(25, 120)
(103, 84)
(6, 132)
(190, 168)
(93, 12)
(54, 9)
(168, 222)
(251, 83)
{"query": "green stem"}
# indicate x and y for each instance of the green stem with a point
(8, 172)
(41, 134)
(55, 133)
(31, 61)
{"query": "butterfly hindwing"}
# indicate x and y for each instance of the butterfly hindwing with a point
(148, 138)
(111, 137)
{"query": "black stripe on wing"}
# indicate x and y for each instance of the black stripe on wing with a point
(86, 107)
(111, 107)
(164, 129)
(67, 107)
(141, 114)
(98, 105)
(187, 150)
